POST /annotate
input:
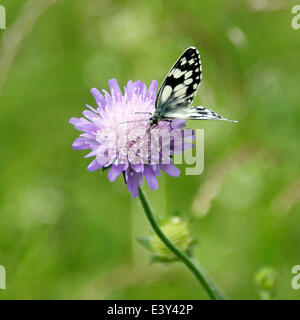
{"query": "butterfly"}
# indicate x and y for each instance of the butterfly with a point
(177, 92)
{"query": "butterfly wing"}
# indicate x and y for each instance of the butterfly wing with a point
(196, 113)
(179, 88)
(181, 83)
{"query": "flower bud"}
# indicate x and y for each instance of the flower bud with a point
(178, 232)
(266, 282)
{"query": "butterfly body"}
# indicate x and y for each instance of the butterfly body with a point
(158, 115)
(176, 94)
(154, 120)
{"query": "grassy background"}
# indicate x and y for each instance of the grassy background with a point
(66, 233)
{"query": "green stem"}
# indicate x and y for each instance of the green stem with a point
(210, 289)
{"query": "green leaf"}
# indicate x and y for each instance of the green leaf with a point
(158, 259)
(144, 242)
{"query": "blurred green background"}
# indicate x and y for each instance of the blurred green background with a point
(66, 233)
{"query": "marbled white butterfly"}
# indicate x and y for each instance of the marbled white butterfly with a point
(176, 94)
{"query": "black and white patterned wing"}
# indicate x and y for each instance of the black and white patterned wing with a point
(196, 113)
(181, 83)
(179, 88)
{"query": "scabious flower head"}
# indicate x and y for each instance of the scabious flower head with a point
(121, 139)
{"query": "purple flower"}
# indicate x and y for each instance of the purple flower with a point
(120, 138)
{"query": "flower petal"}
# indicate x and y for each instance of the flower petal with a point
(107, 98)
(100, 100)
(115, 171)
(115, 90)
(91, 108)
(129, 89)
(83, 125)
(94, 165)
(170, 169)
(141, 88)
(156, 170)
(189, 133)
(74, 121)
(137, 167)
(178, 124)
(151, 94)
(133, 182)
(150, 177)
(93, 153)
(80, 144)
(90, 115)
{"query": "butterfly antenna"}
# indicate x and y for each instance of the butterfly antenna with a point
(138, 112)
(133, 121)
